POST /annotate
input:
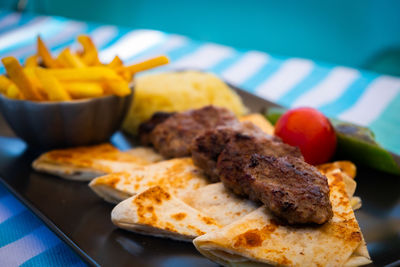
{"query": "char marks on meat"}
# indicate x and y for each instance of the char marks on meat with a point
(263, 168)
(147, 127)
(207, 146)
(173, 136)
(288, 186)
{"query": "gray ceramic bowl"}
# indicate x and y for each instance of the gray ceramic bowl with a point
(65, 124)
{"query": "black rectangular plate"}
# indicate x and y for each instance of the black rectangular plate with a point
(82, 219)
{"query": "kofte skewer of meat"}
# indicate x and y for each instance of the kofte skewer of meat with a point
(247, 161)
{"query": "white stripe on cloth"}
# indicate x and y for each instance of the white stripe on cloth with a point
(70, 29)
(332, 87)
(9, 207)
(102, 34)
(203, 58)
(291, 73)
(27, 247)
(373, 101)
(99, 36)
(244, 68)
(9, 19)
(131, 44)
(173, 42)
(29, 32)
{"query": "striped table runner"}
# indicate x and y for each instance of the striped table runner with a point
(353, 95)
(26, 241)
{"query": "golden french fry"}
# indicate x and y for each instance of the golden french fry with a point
(118, 87)
(126, 75)
(147, 64)
(113, 82)
(115, 63)
(91, 59)
(86, 42)
(84, 89)
(70, 60)
(13, 92)
(76, 61)
(31, 74)
(9, 89)
(61, 61)
(52, 86)
(4, 84)
(90, 54)
(33, 79)
(21, 80)
(87, 74)
(45, 55)
(31, 61)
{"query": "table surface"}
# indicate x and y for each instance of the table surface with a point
(348, 94)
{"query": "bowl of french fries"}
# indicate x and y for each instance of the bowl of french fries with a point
(72, 99)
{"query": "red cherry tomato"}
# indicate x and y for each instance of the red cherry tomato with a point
(311, 131)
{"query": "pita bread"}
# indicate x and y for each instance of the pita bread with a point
(356, 203)
(219, 203)
(349, 183)
(213, 200)
(146, 153)
(257, 239)
(85, 163)
(225, 207)
(260, 121)
(158, 213)
(345, 166)
(348, 170)
(177, 176)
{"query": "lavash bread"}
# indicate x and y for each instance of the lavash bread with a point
(213, 200)
(178, 176)
(156, 212)
(220, 203)
(86, 163)
(258, 239)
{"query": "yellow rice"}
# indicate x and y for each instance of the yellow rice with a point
(179, 91)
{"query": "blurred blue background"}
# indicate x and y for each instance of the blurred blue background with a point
(359, 33)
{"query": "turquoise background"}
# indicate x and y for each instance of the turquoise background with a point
(361, 34)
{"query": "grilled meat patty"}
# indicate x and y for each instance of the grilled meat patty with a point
(265, 169)
(147, 127)
(208, 145)
(245, 159)
(173, 136)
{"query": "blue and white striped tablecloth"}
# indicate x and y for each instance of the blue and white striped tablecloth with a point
(349, 94)
(26, 241)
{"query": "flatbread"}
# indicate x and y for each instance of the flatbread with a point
(146, 153)
(258, 239)
(356, 203)
(349, 183)
(260, 121)
(220, 203)
(225, 207)
(213, 201)
(86, 163)
(156, 212)
(345, 166)
(178, 176)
